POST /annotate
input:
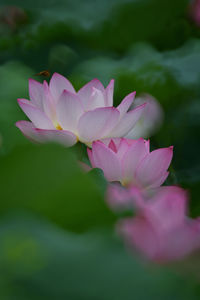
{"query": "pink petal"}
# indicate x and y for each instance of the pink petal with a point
(105, 159)
(63, 137)
(86, 91)
(132, 158)
(48, 102)
(139, 233)
(97, 124)
(169, 206)
(58, 84)
(96, 99)
(118, 197)
(37, 116)
(109, 93)
(69, 110)
(127, 122)
(126, 103)
(36, 93)
(90, 156)
(124, 145)
(147, 144)
(159, 180)
(112, 146)
(155, 164)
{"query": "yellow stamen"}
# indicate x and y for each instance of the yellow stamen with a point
(58, 127)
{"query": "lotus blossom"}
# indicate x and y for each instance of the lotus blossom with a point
(161, 230)
(59, 113)
(130, 162)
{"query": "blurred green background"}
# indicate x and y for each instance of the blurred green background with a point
(57, 237)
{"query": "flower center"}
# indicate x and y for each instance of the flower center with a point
(58, 127)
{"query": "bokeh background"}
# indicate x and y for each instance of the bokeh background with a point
(57, 237)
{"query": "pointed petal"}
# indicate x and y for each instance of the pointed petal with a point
(123, 147)
(48, 102)
(96, 99)
(86, 91)
(128, 122)
(36, 93)
(97, 124)
(58, 84)
(109, 93)
(63, 137)
(105, 159)
(90, 156)
(37, 116)
(154, 164)
(126, 103)
(112, 146)
(132, 158)
(69, 110)
(160, 180)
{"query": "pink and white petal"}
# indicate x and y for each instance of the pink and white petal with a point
(58, 84)
(112, 146)
(132, 158)
(160, 180)
(96, 124)
(90, 156)
(48, 102)
(105, 159)
(96, 99)
(153, 165)
(28, 130)
(126, 103)
(116, 141)
(63, 137)
(118, 197)
(37, 116)
(86, 91)
(127, 122)
(122, 148)
(169, 206)
(147, 144)
(69, 110)
(109, 93)
(139, 234)
(36, 93)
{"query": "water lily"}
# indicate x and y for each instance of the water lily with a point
(161, 230)
(58, 113)
(130, 162)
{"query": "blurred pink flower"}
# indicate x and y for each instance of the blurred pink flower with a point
(161, 230)
(59, 113)
(151, 119)
(195, 11)
(131, 162)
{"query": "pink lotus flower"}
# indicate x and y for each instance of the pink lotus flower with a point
(58, 113)
(130, 162)
(161, 230)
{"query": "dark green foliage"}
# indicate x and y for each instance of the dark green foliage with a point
(57, 235)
